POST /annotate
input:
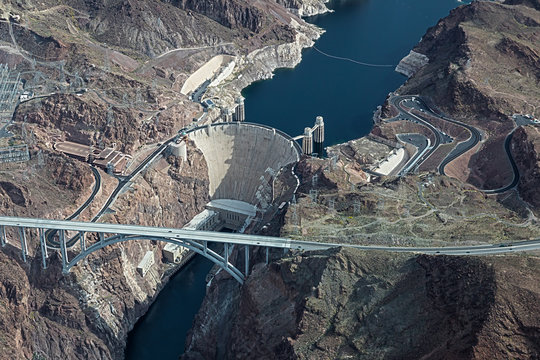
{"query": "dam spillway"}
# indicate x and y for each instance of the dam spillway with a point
(242, 157)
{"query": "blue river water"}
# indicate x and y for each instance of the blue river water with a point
(345, 93)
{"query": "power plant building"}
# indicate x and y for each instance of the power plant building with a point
(108, 159)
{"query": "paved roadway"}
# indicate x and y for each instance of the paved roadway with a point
(399, 103)
(416, 102)
(123, 182)
(49, 234)
(257, 240)
(97, 186)
(514, 182)
(419, 141)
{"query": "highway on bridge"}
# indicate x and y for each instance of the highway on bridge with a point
(123, 182)
(256, 240)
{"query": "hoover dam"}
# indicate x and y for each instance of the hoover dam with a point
(243, 158)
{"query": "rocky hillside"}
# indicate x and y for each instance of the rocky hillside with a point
(353, 304)
(486, 59)
(110, 72)
(484, 66)
(87, 314)
(526, 151)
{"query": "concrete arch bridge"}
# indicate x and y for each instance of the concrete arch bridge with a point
(198, 241)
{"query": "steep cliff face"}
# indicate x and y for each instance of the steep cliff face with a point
(531, 3)
(345, 303)
(526, 152)
(153, 27)
(90, 121)
(40, 315)
(51, 190)
(87, 313)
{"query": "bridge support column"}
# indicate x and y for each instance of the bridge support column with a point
(247, 259)
(267, 254)
(101, 237)
(63, 250)
(3, 235)
(82, 238)
(205, 243)
(43, 247)
(226, 255)
(24, 246)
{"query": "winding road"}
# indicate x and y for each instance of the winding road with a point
(417, 103)
(124, 181)
(49, 234)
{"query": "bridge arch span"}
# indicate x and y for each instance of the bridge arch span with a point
(201, 249)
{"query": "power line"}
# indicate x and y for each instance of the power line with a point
(351, 60)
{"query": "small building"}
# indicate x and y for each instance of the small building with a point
(209, 104)
(146, 263)
(174, 252)
(26, 95)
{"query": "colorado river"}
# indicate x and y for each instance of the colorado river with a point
(345, 92)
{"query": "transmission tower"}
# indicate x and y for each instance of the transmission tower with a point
(40, 158)
(110, 116)
(314, 180)
(357, 207)
(313, 195)
(331, 204)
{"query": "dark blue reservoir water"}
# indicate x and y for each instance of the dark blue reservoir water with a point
(345, 93)
(380, 32)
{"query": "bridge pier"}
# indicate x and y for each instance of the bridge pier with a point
(3, 235)
(82, 238)
(24, 246)
(43, 247)
(226, 254)
(101, 238)
(63, 250)
(246, 248)
(267, 254)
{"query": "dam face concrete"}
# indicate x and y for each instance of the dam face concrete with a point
(243, 158)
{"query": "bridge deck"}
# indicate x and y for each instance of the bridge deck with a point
(254, 240)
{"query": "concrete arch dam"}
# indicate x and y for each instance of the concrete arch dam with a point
(243, 158)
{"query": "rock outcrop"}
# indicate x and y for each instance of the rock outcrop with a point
(305, 7)
(484, 66)
(526, 152)
(484, 61)
(87, 313)
(411, 63)
(346, 303)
